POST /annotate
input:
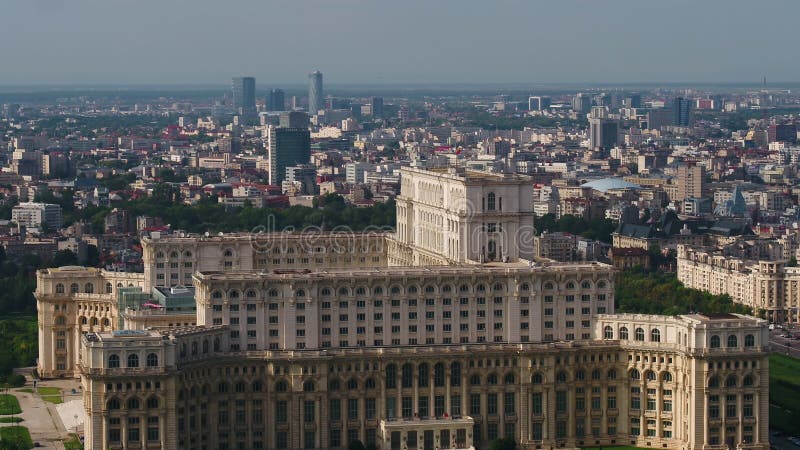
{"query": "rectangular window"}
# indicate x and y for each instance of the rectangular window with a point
(308, 411)
(335, 409)
(352, 409)
(537, 404)
(508, 403)
(475, 404)
(281, 410)
(561, 401)
(370, 407)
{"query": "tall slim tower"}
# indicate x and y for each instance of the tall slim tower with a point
(316, 98)
(276, 100)
(244, 95)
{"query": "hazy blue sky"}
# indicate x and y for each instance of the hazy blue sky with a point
(398, 41)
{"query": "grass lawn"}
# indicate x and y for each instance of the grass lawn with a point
(28, 390)
(50, 394)
(73, 443)
(13, 419)
(9, 404)
(18, 435)
(46, 391)
(784, 393)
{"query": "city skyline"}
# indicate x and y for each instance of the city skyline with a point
(669, 44)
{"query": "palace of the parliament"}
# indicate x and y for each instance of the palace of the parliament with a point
(444, 334)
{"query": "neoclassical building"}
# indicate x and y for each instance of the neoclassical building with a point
(769, 286)
(439, 342)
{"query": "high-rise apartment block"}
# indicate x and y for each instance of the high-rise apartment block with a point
(316, 98)
(37, 215)
(689, 181)
(603, 131)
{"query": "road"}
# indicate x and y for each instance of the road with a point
(786, 346)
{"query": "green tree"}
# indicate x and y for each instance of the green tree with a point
(64, 258)
(506, 443)
(356, 445)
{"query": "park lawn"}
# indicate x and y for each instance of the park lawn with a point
(73, 443)
(27, 390)
(13, 419)
(48, 391)
(784, 393)
(54, 399)
(17, 434)
(9, 405)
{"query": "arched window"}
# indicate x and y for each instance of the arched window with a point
(407, 375)
(133, 403)
(352, 384)
(325, 292)
(667, 377)
(586, 285)
(623, 333)
(498, 287)
(570, 285)
(509, 378)
(133, 360)
(748, 380)
(732, 341)
(713, 382)
(308, 386)
(423, 374)
(257, 386)
(84, 320)
(205, 346)
(173, 255)
(490, 201)
(715, 341)
(112, 403)
(228, 253)
(561, 377)
(537, 378)
(113, 361)
(109, 288)
(222, 387)
(233, 294)
(216, 344)
(60, 290)
(730, 382)
(160, 255)
(608, 332)
(152, 402)
(651, 376)
(187, 254)
(455, 374)
(273, 293)
(639, 334)
(635, 375)
(333, 385)
(749, 341)
(391, 376)
(152, 360)
(525, 287)
(438, 375)
(475, 380)
(106, 322)
(395, 290)
(343, 291)
(601, 284)
(194, 348)
(548, 286)
(491, 380)
(216, 294)
(612, 374)
(370, 383)
(596, 374)
(88, 288)
(580, 375)
(73, 288)
(281, 386)
(93, 321)
(300, 293)
(655, 335)
(251, 294)
(428, 289)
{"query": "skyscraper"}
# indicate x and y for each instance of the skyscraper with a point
(294, 119)
(538, 103)
(602, 129)
(681, 112)
(377, 106)
(287, 147)
(689, 181)
(276, 100)
(316, 99)
(244, 95)
(582, 103)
